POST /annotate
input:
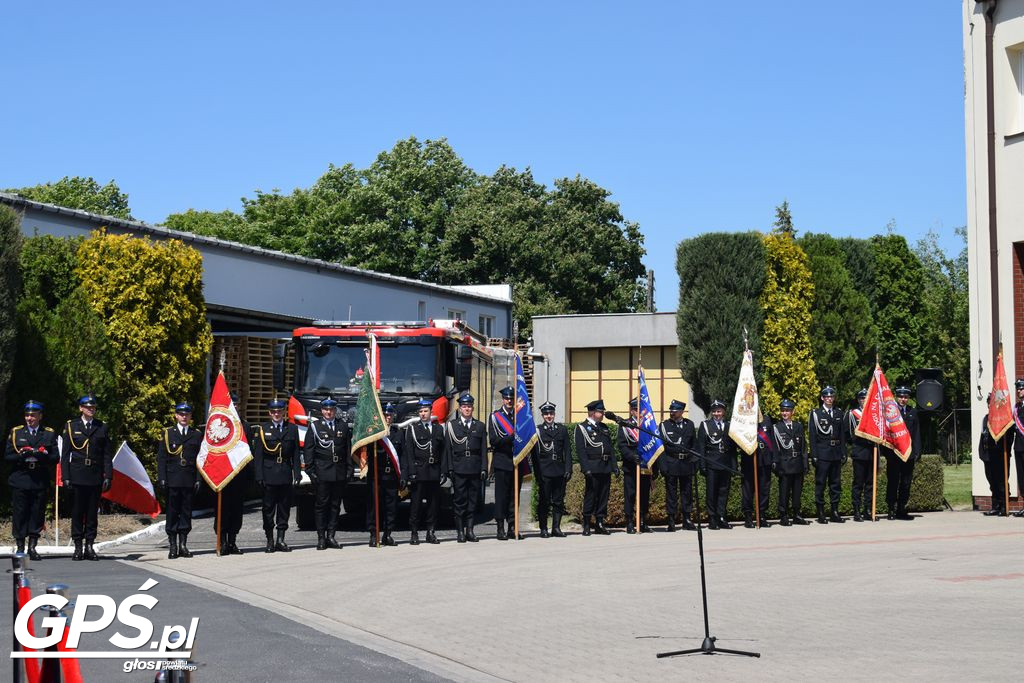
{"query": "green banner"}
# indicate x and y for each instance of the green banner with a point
(369, 424)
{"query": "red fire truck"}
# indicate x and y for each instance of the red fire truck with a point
(432, 359)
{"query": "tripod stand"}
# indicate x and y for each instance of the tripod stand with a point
(708, 647)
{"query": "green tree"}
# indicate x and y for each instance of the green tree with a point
(10, 285)
(945, 302)
(899, 308)
(860, 264)
(226, 225)
(842, 332)
(150, 298)
(721, 277)
(80, 193)
(786, 300)
(783, 224)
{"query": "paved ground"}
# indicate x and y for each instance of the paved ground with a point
(939, 598)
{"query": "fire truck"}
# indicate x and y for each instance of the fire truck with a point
(436, 360)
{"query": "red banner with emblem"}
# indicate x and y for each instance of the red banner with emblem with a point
(1000, 406)
(882, 421)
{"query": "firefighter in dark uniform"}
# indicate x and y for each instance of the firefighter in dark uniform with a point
(86, 466)
(232, 496)
(828, 453)
(425, 469)
(552, 464)
(31, 452)
(719, 451)
(597, 461)
(501, 434)
(765, 454)
(790, 463)
(277, 469)
(466, 441)
(677, 465)
(384, 474)
(1018, 444)
(326, 455)
(176, 453)
(898, 473)
(627, 439)
(992, 453)
(861, 452)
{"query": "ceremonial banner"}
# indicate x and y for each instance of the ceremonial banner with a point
(225, 448)
(525, 428)
(882, 421)
(131, 486)
(648, 444)
(745, 408)
(369, 425)
(1000, 405)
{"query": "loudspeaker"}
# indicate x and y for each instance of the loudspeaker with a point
(929, 389)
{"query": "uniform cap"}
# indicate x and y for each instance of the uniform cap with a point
(328, 402)
(466, 399)
(276, 404)
(676, 405)
(717, 404)
(33, 407)
(634, 402)
(1019, 384)
(786, 404)
(902, 391)
(547, 407)
(828, 391)
(182, 408)
(87, 400)
(863, 393)
(596, 405)
(507, 392)
(425, 403)
(390, 409)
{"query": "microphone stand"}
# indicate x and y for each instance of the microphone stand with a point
(708, 647)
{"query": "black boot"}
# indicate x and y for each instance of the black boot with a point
(387, 540)
(33, 554)
(994, 512)
(431, 538)
(748, 520)
(280, 545)
(724, 523)
(644, 529)
(512, 531)
(460, 533)
(270, 543)
(713, 522)
(797, 519)
(90, 552)
(414, 537)
(1019, 513)
(784, 520)
(901, 513)
(373, 540)
(556, 526)
(321, 540)
(630, 529)
(671, 525)
(764, 521)
(688, 525)
(501, 530)
(172, 546)
(544, 528)
(470, 534)
(331, 541)
(21, 545)
(822, 519)
(856, 514)
(600, 528)
(586, 526)
(183, 550)
(77, 556)
(836, 517)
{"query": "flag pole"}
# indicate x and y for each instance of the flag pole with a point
(56, 513)
(218, 523)
(757, 492)
(223, 352)
(515, 465)
(376, 497)
(1006, 477)
(874, 484)
(639, 369)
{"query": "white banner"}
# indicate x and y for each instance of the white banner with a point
(745, 408)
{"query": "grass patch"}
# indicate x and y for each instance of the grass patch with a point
(957, 486)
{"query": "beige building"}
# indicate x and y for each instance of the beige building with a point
(994, 117)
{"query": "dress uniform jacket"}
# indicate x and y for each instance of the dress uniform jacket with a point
(914, 427)
(276, 461)
(176, 456)
(826, 434)
(553, 456)
(861, 448)
(790, 454)
(31, 458)
(467, 447)
(501, 438)
(627, 446)
(326, 450)
(424, 452)
(716, 445)
(678, 437)
(594, 448)
(86, 458)
(382, 460)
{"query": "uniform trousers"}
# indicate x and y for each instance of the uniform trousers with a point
(863, 484)
(179, 509)
(328, 504)
(717, 498)
(465, 492)
(551, 498)
(387, 498)
(595, 495)
(897, 486)
(791, 487)
(827, 473)
(764, 483)
(85, 505)
(629, 495)
(277, 506)
(423, 493)
(27, 510)
(504, 503)
(678, 489)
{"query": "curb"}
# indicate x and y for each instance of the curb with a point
(68, 549)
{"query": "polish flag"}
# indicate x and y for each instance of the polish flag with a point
(131, 487)
(225, 449)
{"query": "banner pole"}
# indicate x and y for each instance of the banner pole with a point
(639, 469)
(376, 497)
(1006, 476)
(218, 523)
(515, 493)
(874, 484)
(757, 495)
(56, 514)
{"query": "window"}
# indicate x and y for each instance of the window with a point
(421, 310)
(486, 326)
(456, 315)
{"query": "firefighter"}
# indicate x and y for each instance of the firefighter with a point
(233, 494)
(31, 452)
(862, 451)
(277, 471)
(176, 454)
(86, 466)
(552, 462)
(501, 434)
(597, 461)
(790, 463)
(326, 454)
(676, 465)
(828, 454)
(384, 471)
(719, 451)
(426, 468)
(628, 439)
(466, 443)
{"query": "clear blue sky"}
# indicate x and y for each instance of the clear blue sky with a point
(696, 116)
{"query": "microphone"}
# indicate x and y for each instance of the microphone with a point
(613, 417)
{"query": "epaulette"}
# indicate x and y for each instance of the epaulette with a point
(47, 429)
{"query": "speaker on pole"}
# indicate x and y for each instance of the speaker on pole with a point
(929, 389)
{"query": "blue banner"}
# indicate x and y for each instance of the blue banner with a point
(526, 428)
(649, 445)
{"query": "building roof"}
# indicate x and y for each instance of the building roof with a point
(160, 232)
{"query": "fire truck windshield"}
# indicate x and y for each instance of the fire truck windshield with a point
(336, 367)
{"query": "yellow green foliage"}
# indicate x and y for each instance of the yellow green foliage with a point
(149, 296)
(786, 343)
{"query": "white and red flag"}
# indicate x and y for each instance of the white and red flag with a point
(131, 486)
(225, 448)
(882, 421)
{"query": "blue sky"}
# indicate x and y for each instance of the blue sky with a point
(696, 116)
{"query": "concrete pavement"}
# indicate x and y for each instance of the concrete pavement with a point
(938, 598)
